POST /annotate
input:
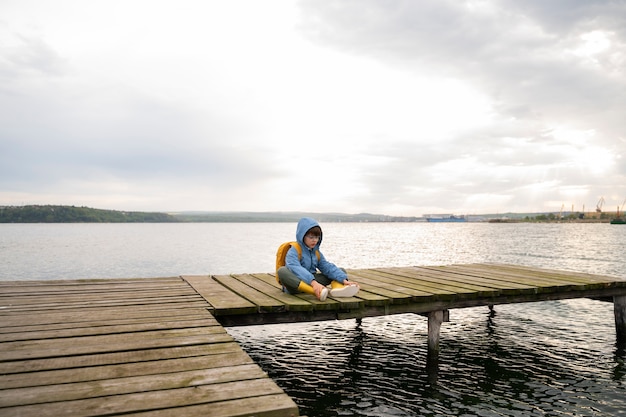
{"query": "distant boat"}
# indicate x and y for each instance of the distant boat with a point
(619, 219)
(447, 219)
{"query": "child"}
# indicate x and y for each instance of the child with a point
(300, 274)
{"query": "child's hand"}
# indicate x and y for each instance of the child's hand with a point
(348, 282)
(317, 287)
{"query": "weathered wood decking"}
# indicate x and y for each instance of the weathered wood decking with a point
(245, 299)
(155, 346)
(116, 347)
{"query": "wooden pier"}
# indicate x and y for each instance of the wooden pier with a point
(156, 346)
(146, 347)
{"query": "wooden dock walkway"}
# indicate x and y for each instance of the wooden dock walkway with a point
(149, 347)
(156, 346)
(249, 299)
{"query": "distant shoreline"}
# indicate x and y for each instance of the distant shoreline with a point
(591, 220)
(73, 214)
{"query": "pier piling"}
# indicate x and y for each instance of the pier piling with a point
(435, 318)
(619, 307)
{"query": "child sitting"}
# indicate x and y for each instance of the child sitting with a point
(300, 273)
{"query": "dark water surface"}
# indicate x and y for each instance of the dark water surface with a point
(555, 358)
(524, 359)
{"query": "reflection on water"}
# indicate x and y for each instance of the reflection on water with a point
(620, 356)
(519, 360)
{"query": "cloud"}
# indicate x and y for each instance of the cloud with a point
(394, 107)
(519, 61)
(532, 59)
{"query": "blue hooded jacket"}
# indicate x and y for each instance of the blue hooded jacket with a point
(305, 267)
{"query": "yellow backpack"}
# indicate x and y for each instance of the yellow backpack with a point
(281, 254)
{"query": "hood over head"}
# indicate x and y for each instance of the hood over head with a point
(304, 225)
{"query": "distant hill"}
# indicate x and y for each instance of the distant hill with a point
(253, 217)
(71, 214)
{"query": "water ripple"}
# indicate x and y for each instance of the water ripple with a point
(522, 360)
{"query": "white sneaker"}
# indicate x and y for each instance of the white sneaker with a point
(323, 294)
(345, 291)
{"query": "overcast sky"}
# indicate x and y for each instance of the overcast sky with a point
(404, 107)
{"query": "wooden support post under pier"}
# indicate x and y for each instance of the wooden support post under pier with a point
(435, 318)
(619, 307)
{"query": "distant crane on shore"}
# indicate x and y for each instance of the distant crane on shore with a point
(599, 205)
(620, 209)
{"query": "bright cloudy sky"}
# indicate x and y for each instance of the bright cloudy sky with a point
(392, 107)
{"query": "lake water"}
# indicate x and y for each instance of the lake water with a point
(540, 359)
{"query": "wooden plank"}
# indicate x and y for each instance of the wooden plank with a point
(543, 282)
(60, 305)
(472, 274)
(180, 290)
(116, 337)
(125, 370)
(391, 292)
(499, 275)
(443, 290)
(219, 297)
(70, 391)
(348, 303)
(499, 279)
(263, 406)
(12, 308)
(127, 358)
(102, 286)
(88, 309)
(239, 284)
(571, 274)
(72, 346)
(318, 305)
(268, 282)
(99, 325)
(92, 283)
(149, 401)
(372, 299)
(533, 277)
(75, 314)
(103, 330)
(111, 317)
(388, 286)
(37, 299)
(473, 282)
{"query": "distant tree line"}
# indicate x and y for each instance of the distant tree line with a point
(278, 217)
(579, 217)
(71, 214)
